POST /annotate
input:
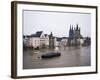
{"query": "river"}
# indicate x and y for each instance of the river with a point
(70, 57)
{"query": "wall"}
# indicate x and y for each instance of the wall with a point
(5, 41)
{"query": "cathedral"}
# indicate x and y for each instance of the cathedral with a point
(74, 36)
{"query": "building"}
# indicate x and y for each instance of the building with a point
(46, 40)
(56, 43)
(60, 41)
(41, 36)
(51, 41)
(41, 40)
(26, 41)
(87, 41)
(37, 40)
(64, 41)
(74, 36)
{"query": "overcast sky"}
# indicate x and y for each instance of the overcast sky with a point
(56, 22)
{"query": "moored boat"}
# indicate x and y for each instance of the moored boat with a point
(51, 55)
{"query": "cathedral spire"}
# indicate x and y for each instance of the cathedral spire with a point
(76, 26)
(51, 35)
(70, 27)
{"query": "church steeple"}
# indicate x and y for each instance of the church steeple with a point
(76, 26)
(51, 34)
(71, 32)
(70, 27)
(74, 34)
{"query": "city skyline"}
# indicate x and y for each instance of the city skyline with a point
(56, 22)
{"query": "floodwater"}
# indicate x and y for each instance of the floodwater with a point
(70, 57)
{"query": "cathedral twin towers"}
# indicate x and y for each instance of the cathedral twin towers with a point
(74, 36)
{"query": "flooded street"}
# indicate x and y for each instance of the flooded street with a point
(70, 57)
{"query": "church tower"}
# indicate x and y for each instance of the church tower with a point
(77, 35)
(74, 36)
(71, 36)
(71, 32)
(51, 41)
(77, 32)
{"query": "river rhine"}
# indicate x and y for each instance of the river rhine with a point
(70, 57)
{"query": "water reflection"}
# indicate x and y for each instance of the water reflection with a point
(70, 57)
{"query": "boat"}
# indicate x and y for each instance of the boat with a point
(51, 55)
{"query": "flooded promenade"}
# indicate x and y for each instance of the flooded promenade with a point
(70, 57)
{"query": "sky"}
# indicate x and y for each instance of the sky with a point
(56, 22)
